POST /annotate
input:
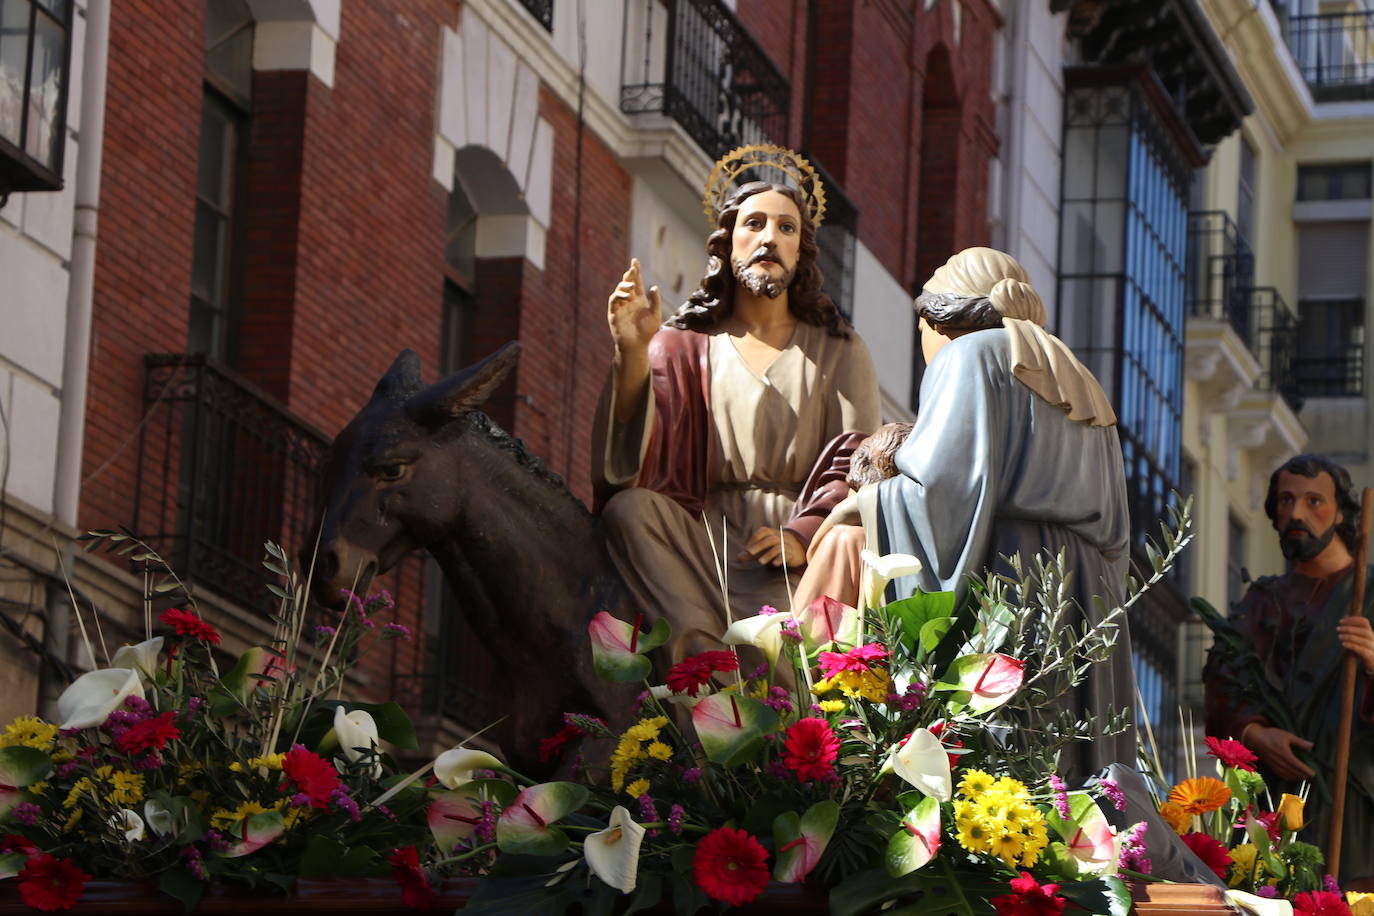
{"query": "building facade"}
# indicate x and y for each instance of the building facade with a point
(293, 192)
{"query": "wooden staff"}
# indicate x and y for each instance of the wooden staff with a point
(1349, 667)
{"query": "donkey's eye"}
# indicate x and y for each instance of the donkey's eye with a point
(390, 472)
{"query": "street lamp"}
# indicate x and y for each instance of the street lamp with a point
(35, 61)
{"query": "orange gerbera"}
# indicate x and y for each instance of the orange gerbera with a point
(1176, 817)
(1201, 795)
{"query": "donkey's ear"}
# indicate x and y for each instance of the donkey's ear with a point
(466, 390)
(401, 380)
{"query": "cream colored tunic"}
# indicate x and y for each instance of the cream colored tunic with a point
(766, 433)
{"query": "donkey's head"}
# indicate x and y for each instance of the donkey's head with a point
(391, 482)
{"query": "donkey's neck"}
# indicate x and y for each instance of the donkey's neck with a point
(525, 538)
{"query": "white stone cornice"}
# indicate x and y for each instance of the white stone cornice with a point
(1266, 429)
(1219, 362)
(1251, 33)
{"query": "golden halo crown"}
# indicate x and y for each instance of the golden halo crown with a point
(769, 163)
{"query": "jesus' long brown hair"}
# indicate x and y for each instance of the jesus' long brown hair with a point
(714, 300)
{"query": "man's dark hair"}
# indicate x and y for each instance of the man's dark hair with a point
(1346, 501)
(714, 300)
(952, 312)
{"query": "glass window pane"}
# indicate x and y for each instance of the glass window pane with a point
(45, 92)
(14, 38)
(1111, 162)
(215, 168)
(208, 255)
(232, 61)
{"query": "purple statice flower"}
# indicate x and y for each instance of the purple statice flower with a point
(779, 770)
(486, 825)
(25, 813)
(648, 812)
(194, 864)
(767, 610)
(1267, 890)
(324, 633)
(789, 630)
(816, 709)
(778, 699)
(216, 841)
(380, 601)
(1061, 795)
(346, 805)
(759, 673)
(66, 769)
(691, 775)
(675, 814)
(193, 704)
(638, 705)
(910, 699)
(1133, 849)
(386, 812)
(587, 725)
(1113, 791)
(69, 732)
(483, 774)
(398, 629)
(1330, 885)
(138, 706)
(300, 800)
(150, 762)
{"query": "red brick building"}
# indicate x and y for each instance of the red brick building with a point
(293, 192)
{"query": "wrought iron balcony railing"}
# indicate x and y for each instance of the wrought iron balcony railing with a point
(705, 71)
(1273, 329)
(1335, 52)
(1221, 269)
(222, 467)
(1329, 358)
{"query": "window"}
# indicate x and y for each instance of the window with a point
(1334, 182)
(219, 181)
(1236, 574)
(1333, 270)
(35, 47)
(1245, 194)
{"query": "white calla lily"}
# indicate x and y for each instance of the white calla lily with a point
(880, 570)
(356, 732)
(159, 817)
(141, 657)
(128, 823)
(92, 697)
(613, 854)
(923, 762)
(454, 767)
(1259, 906)
(763, 631)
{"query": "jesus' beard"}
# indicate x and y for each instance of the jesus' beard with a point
(760, 283)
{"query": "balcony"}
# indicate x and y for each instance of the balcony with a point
(700, 67)
(222, 467)
(1220, 288)
(1335, 53)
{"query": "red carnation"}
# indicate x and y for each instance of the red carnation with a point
(856, 659)
(405, 868)
(552, 748)
(313, 775)
(1320, 903)
(49, 883)
(17, 842)
(810, 749)
(187, 623)
(1027, 898)
(688, 675)
(150, 734)
(1231, 753)
(1212, 853)
(730, 866)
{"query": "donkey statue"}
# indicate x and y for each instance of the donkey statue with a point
(421, 467)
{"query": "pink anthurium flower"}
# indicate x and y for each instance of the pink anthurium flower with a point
(526, 826)
(917, 841)
(453, 817)
(801, 841)
(828, 621)
(1088, 837)
(618, 647)
(922, 761)
(256, 832)
(983, 682)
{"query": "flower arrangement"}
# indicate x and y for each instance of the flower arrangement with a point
(889, 754)
(1232, 825)
(164, 768)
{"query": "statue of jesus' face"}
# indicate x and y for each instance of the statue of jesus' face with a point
(766, 242)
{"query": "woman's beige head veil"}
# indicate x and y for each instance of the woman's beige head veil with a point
(1040, 361)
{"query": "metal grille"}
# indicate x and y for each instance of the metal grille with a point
(1221, 270)
(710, 76)
(1335, 52)
(222, 468)
(1330, 356)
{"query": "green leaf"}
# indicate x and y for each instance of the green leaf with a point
(11, 864)
(731, 727)
(1102, 896)
(648, 892)
(932, 631)
(920, 893)
(913, 614)
(393, 724)
(182, 886)
(23, 766)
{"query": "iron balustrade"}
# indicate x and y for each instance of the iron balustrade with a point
(1335, 52)
(1274, 332)
(708, 74)
(542, 10)
(222, 467)
(1221, 270)
(1330, 352)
